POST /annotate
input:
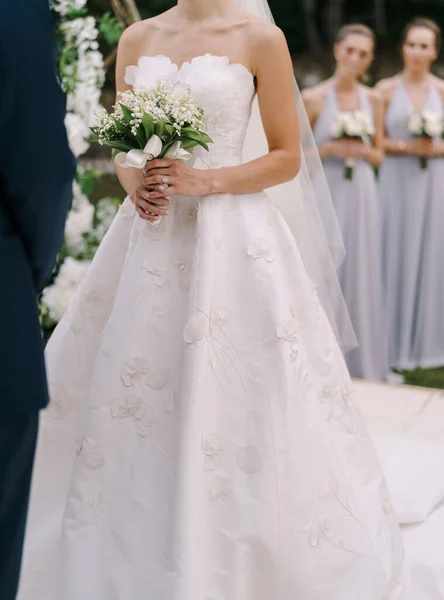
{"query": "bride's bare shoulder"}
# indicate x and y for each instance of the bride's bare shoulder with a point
(265, 42)
(263, 33)
(138, 32)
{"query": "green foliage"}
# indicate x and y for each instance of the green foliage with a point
(75, 14)
(148, 125)
(87, 180)
(110, 29)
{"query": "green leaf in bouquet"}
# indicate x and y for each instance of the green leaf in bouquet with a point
(167, 146)
(122, 145)
(160, 127)
(205, 138)
(188, 144)
(190, 131)
(141, 136)
(169, 129)
(126, 129)
(190, 134)
(127, 113)
(198, 136)
(148, 125)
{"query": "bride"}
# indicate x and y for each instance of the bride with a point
(203, 441)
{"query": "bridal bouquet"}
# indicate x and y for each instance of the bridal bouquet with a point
(426, 124)
(149, 124)
(355, 125)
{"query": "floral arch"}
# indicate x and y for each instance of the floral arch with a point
(82, 75)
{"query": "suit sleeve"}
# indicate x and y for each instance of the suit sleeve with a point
(36, 164)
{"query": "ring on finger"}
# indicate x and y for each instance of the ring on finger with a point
(165, 181)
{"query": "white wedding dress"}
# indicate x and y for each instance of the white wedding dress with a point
(203, 441)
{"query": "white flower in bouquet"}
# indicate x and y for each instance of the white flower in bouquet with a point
(426, 124)
(78, 133)
(338, 125)
(150, 123)
(415, 124)
(58, 296)
(354, 125)
(433, 124)
(366, 123)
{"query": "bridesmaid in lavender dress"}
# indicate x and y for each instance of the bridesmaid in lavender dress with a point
(413, 207)
(356, 200)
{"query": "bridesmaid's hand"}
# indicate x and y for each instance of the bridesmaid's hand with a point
(422, 146)
(337, 148)
(357, 149)
(149, 208)
(176, 178)
(438, 148)
(347, 149)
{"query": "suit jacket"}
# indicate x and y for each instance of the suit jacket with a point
(36, 172)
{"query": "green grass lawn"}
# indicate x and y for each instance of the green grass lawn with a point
(432, 378)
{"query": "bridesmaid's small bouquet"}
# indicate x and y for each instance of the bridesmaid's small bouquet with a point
(426, 124)
(355, 125)
(149, 124)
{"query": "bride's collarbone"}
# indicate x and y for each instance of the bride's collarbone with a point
(179, 44)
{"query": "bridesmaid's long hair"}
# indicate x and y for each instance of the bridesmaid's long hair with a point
(356, 29)
(424, 23)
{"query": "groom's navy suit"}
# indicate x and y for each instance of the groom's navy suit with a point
(36, 171)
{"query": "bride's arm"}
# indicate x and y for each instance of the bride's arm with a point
(129, 179)
(132, 179)
(275, 88)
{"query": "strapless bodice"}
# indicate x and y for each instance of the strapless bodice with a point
(224, 90)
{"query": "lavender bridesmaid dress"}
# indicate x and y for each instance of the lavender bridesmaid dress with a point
(413, 240)
(358, 209)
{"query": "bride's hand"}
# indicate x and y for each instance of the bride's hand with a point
(149, 208)
(175, 178)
